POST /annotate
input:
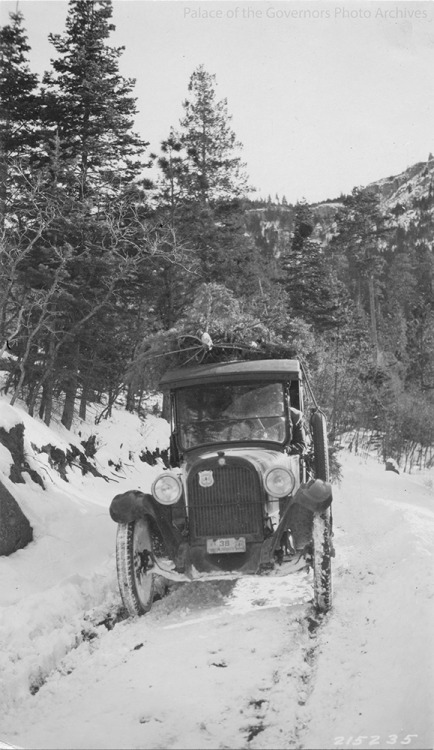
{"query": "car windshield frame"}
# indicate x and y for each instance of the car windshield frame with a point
(232, 413)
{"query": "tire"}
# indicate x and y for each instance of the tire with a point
(322, 561)
(134, 563)
(322, 522)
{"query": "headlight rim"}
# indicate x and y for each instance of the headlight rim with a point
(167, 475)
(287, 471)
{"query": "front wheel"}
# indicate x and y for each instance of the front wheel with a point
(322, 560)
(135, 563)
(322, 522)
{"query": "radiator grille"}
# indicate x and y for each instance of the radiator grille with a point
(231, 506)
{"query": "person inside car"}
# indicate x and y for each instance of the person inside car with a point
(298, 438)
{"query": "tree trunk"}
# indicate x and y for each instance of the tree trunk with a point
(31, 399)
(42, 404)
(71, 388)
(19, 384)
(83, 403)
(130, 398)
(335, 389)
(166, 407)
(3, 183)
(373, 318)
(68, 407)
(48, 397)
(139, 405)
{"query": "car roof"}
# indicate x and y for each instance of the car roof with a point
(225, 372)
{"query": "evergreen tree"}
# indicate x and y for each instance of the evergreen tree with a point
(312, 290)
(78, 262)
(357, 252)
(89, 105)
(18, 104)
(400, 296)
(93, 154)
(200, 200)
(410, 288)
(77, 279)
(207, 167)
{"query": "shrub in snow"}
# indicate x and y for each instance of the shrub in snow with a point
(391, 465)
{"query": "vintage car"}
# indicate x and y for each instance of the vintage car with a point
(239, 497)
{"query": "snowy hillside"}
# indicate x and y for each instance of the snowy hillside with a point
(414, 182)
(215, 665)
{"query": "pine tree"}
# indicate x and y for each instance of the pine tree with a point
(358, 255)
(200, 199)
(93, 154)
(18, 104)
(95, 240)
(89, 105)
(312, 290)
(208, 167)
(410, 285)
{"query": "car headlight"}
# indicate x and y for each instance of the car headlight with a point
(279, 481)
(167, 489)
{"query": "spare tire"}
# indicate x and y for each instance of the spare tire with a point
(318, 428)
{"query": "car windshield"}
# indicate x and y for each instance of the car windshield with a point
(231, 413)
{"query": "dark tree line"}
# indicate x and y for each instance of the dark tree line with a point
(107, 278)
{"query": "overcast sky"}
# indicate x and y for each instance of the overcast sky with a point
(324, 96)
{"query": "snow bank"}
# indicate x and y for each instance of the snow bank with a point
(69, 569)
(9, 417)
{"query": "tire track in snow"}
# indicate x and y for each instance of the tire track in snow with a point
(52, 624)
(223, 678)
(374, 673)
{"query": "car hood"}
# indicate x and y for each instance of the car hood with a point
(261, 458)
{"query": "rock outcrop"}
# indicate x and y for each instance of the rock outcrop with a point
(15, 529)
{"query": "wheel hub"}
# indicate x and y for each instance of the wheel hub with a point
(143, 563)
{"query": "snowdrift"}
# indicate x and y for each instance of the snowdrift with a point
(69, 568)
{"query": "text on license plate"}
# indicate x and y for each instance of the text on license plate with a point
(217, 546)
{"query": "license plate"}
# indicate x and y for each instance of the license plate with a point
(217, 546)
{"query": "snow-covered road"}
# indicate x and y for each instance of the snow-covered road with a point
(238, 664)
(202, 676)
(375, 657)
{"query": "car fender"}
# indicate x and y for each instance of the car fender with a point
(131, 505)
(316, 496)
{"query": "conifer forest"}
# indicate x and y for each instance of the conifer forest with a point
(109, 277)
